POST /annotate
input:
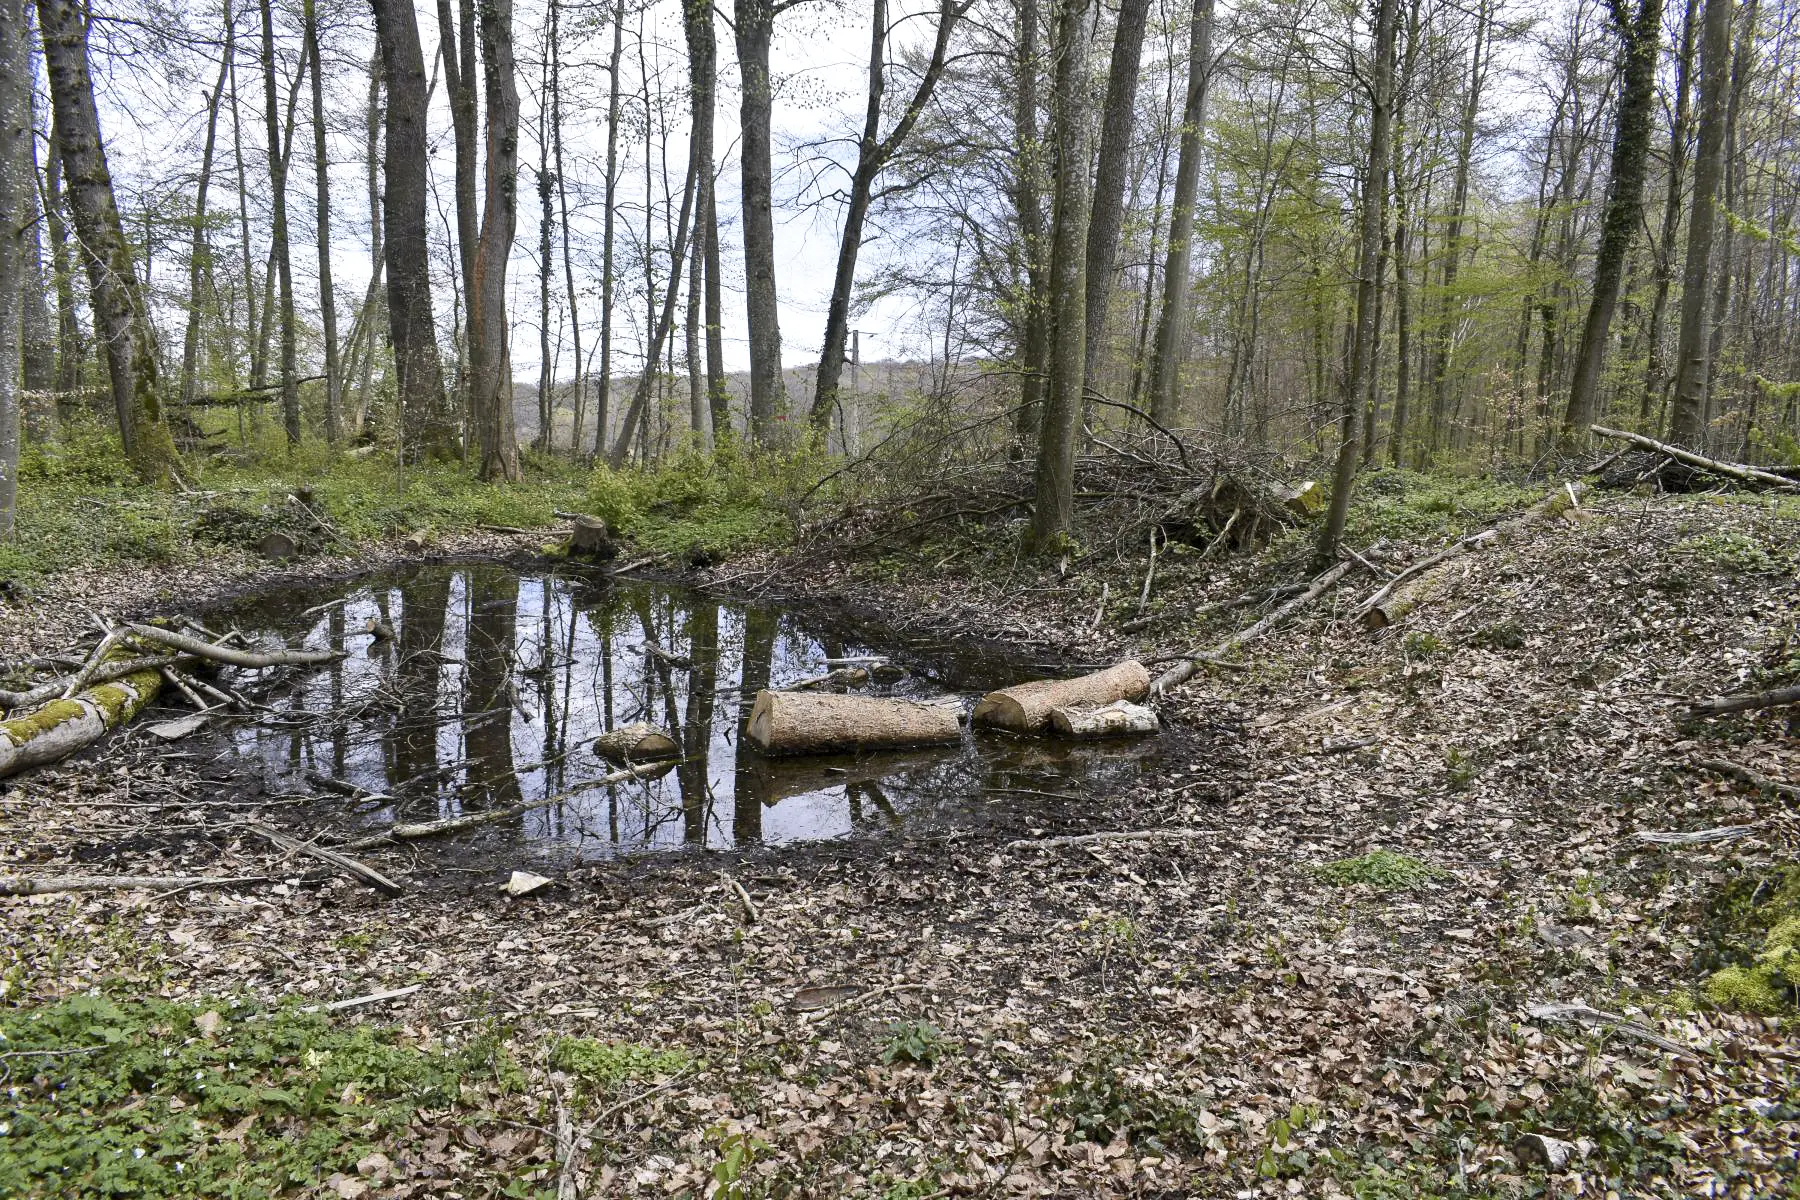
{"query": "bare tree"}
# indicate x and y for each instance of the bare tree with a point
(278, 165)
(754, 22)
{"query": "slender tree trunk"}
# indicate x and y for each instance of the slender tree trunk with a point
(1687, 425)
(1118, 127)
(546, 232)
(1640, 39)
(290, 387)
(121, 318)
(1373, 216)
(69, 349)
(425, 425)
(706, 397)
(755, 28)
(1726, 250)
(254, 313)
(199, 253)
(334, 379)
(16, 189)
(562, 200)
(1403, 315)
(37, 368)
(1656, 370)
(640, 400)
(1450, 307)
(1054, 512)
(1171, 328)
(872, 157)
(456, 48)
(1034, 320)
(489, 362)
(609, 234)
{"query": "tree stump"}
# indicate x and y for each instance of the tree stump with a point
(591, 539)
(814, 723)
(1025, 707)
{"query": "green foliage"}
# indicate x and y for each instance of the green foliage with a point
(1502, 635)
(1732, 551)
(117, 1095)
(697, 504)
(1755, 922)
(1419, 643)
(606, 1065)
(1105, 1097)
(915, 1042)
(1405, 505)
(1459, 770)
(738, 1152)
(1382, 870)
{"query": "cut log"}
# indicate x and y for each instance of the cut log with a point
(116, 668)
(277, 545)
(1121, 718)
(1025, 707)
(1741, 472)
(815, 723)
(1304, 500)
(1749, 701)
(635, 743)
(591, 539)
(62, 727)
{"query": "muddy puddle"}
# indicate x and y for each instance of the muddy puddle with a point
(495, 683)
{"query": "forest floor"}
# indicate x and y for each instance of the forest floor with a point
(1215, 1011)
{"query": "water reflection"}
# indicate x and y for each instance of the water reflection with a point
(494, 684)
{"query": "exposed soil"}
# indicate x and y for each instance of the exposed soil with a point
(1199, 1014)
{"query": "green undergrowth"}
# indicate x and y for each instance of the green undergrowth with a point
(1753, 954)
(1411, 506)
(1382, 870)
(111, 1095)
(604, 1066)
(704, 506)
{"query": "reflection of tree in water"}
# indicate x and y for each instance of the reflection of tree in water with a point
(759, 649)
(493, 599)
(412, 744)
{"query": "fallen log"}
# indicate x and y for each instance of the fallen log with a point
(1121, 718)
(1746, 702)
(61, 727)
(1185, 670)
(407, 833)
(823, 723)
(1025, 707)
(638, 742)
(1742, 472)
(116, 669)
(837, 677)
(1745, 775)
(253, 659)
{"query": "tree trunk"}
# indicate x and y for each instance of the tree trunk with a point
(61, 727)
(456, 50)
(1450, 307)
(1054, 511)
(1687, 425)
(16, 188)
(253, 313)
(755, 27)
(199, 253)
(546, 188)
(1373, 216)
(1640, 40)
(609, 236)
(121, 318)
(1118, 126)
(872, 155)
(1726, 252)
(703, 286)
(334, 379)
(1656, 369)
(815, 723)
(37, 368)
(640, 400)
(1171, 328)
(426, 430)
(490, 364)
(278, 167)
(562, 201)
(1026, 707)
(1034, 321)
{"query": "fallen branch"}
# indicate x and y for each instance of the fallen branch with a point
(1742, 472)
(350, 866)
(17, 885)
(1183, 671)
(1743, 774)
(1371, 611)
(751, 915)
(61, 727)
(118, 668)
(1089, 839)
(1581, 1014)
(253, 659)
(1720, 705)
(1724, 833)
(407, 833)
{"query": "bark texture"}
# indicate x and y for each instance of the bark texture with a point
(815, 723)
(1025, 707)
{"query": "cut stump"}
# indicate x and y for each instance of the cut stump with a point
(1025, 707)
(815, 723)
(634, 743)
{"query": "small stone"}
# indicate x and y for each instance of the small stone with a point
(523, 883)
(1551, 1153)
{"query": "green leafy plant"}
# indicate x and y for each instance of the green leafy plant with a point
(914, 1042)
(604, 1065)
(1104, 1097)
(1382, 870)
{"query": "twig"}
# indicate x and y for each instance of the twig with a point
(350, 866)
(1177, 675)
(1581, 1014)
(236, 658)
(1743, 774)
(1088, 839)
(1724, 833)
(751, 916)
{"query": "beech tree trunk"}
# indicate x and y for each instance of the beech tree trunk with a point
(490, 362)
(16, 188)
(1171, 327)
(1687, 424)
(755, 28)
(427, 432)
(199, 253)
(121, 318)
(1640, 40)
(1656, 371)
(1118, 126)
(1028, 200)
(334, 381)
(284, 268)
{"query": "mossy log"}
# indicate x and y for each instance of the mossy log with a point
(1121, 718)
(1025, 707)
(824, 723)
(638, 742)
(61, 727)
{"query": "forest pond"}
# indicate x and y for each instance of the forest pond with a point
(496, 682)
